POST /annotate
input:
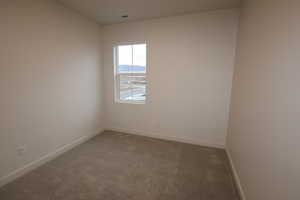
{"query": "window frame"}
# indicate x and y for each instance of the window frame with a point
(117, 74)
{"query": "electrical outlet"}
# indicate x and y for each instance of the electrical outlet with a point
(21, 150)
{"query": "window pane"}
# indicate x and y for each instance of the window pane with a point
(138, 88)
(132, 87)
(125, 87)
(139, 57)
(125, 55)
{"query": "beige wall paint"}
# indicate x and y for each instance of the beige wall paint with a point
(50, 79)
(264, 128)
(190, 69)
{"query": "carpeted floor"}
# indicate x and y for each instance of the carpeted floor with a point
(117, 166)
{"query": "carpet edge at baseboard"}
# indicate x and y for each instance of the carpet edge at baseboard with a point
(17, 173)
(236, 177)
(170, 138)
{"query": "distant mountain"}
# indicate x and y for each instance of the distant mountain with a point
(132, 68)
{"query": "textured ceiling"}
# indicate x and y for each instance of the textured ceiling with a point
(110, 11)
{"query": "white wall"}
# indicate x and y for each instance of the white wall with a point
(50, 80)
(264, 128)
(190, 69)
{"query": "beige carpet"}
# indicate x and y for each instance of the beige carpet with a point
(117, 166)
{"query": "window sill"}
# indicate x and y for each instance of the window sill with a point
(130, 102)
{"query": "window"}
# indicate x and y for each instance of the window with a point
(130, 73)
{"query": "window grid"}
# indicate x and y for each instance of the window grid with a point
(130, 82)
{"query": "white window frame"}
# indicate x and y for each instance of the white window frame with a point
(117, 74)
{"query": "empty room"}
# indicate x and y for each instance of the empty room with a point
(149, 100)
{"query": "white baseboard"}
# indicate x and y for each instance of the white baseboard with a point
(44, 159)
(164, 137)
(236, 177)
